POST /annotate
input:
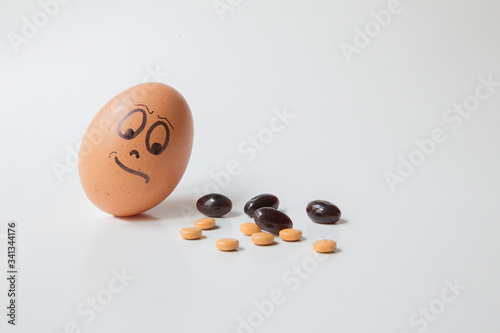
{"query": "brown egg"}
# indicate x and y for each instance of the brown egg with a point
(136, 149)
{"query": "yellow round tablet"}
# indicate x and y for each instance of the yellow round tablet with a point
(325, 246)
(204, 223)
(191, 233)
(249, 228)
(262, 238)
(290, 235)
(227, 244)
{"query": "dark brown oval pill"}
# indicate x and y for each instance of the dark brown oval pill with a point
(259, 201)
(322, 211)
(272, 220)
(214, 205)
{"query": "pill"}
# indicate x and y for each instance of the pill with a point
(249, 228)
(259, 201)
(290, 235)
(324, 245)
(272, 220)
(262, 238)
(322, 211)
(204, 223)
(191, 233)
(214, 205)
(227, 244)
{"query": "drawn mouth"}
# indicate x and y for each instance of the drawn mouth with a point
(127, 169)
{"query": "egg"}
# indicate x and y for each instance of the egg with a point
(136, 149)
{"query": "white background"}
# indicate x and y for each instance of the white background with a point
(352, 122)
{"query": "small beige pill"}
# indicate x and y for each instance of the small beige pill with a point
(325, 246)
(249, 228)
(191, 233)
(262, 238)
(290, 235)
(204, 223)
(227, 244)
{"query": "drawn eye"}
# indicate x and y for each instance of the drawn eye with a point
(127, 128)
(156, 133)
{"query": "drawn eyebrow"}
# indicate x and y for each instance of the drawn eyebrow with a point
(167, 121)
(150, 112)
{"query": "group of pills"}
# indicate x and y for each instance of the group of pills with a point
(263, 208)
(257, 236)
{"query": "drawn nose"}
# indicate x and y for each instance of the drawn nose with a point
(134, 152)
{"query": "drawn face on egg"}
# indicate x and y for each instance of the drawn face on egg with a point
(145, 130)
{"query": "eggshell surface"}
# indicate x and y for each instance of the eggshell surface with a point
(136, 149)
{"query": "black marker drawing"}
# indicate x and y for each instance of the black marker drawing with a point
(155, 149)
(150, 112)
(167, 121)
(129, 170)
(135, 152)
(130, 133)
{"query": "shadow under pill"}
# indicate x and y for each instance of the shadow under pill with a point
(213, 228)
(202, 237)
(267, 245)
(331, 253)
(236, 250)
(231, 214)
